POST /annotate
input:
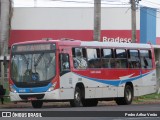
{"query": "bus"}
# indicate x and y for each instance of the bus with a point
(80, 72)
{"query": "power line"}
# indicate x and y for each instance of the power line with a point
(107, 3)
(103, 2)
(152, 2)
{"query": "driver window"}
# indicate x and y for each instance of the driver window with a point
(64, 60)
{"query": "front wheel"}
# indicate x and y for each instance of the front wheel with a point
(128, 96)
(37, 104)
(77, 101)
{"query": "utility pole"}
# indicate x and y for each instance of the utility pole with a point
(35, 3)
(133, 20)
(97, 20)
(134, 3)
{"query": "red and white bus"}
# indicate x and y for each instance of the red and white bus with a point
(80, 72)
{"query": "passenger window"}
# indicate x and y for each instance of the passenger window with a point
(146, 59)
(121, 58)
(94, 60)
(133, 59)
(107, 58)
(79, 58)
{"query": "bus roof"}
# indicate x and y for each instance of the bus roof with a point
(90, 43)
(114, 44)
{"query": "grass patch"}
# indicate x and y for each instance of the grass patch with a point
(148, 97)
(7, 100)
(136, 100)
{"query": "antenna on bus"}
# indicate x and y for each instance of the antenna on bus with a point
(47, 39)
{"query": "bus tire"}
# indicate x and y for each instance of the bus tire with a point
(77, 101)
(128, 96)
(37, 104)
(90, 102)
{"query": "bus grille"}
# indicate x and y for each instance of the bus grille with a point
(37, 96)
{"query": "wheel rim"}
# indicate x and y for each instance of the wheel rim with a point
(128, 95)
(77, 97)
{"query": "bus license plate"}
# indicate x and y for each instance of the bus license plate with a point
(32, 98)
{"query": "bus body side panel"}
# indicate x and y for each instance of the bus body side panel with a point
(148, 82)
(66, 86)
(102, 83)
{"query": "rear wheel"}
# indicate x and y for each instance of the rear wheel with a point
(77, 102)
(128, 96)
(37, 104)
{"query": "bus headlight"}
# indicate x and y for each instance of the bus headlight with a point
(52, 87)
(12, 89)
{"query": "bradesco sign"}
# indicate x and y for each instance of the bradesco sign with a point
(117, 39)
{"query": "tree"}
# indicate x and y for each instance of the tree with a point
(5, 25)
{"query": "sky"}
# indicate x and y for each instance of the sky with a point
(82, 3)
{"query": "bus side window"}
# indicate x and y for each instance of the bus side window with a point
(79, 58)
(64, 60)
(133, 59)
(121, 58)
(146, 59)
(107, 58)
(94, 60)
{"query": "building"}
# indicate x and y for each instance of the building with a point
(77, 23)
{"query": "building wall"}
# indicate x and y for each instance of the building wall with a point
(148, 25)
(75, 23)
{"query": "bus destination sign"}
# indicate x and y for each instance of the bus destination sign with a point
(33, 47)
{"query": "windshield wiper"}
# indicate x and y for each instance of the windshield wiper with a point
(38, 60)
(25, 59)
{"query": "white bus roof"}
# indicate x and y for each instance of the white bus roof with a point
(114, 44)
(156, 46)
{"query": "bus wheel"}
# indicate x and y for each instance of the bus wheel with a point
(90, 103)
(37, 104)
(128, 96)
(77, 102)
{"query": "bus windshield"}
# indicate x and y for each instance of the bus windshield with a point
(32, 69)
